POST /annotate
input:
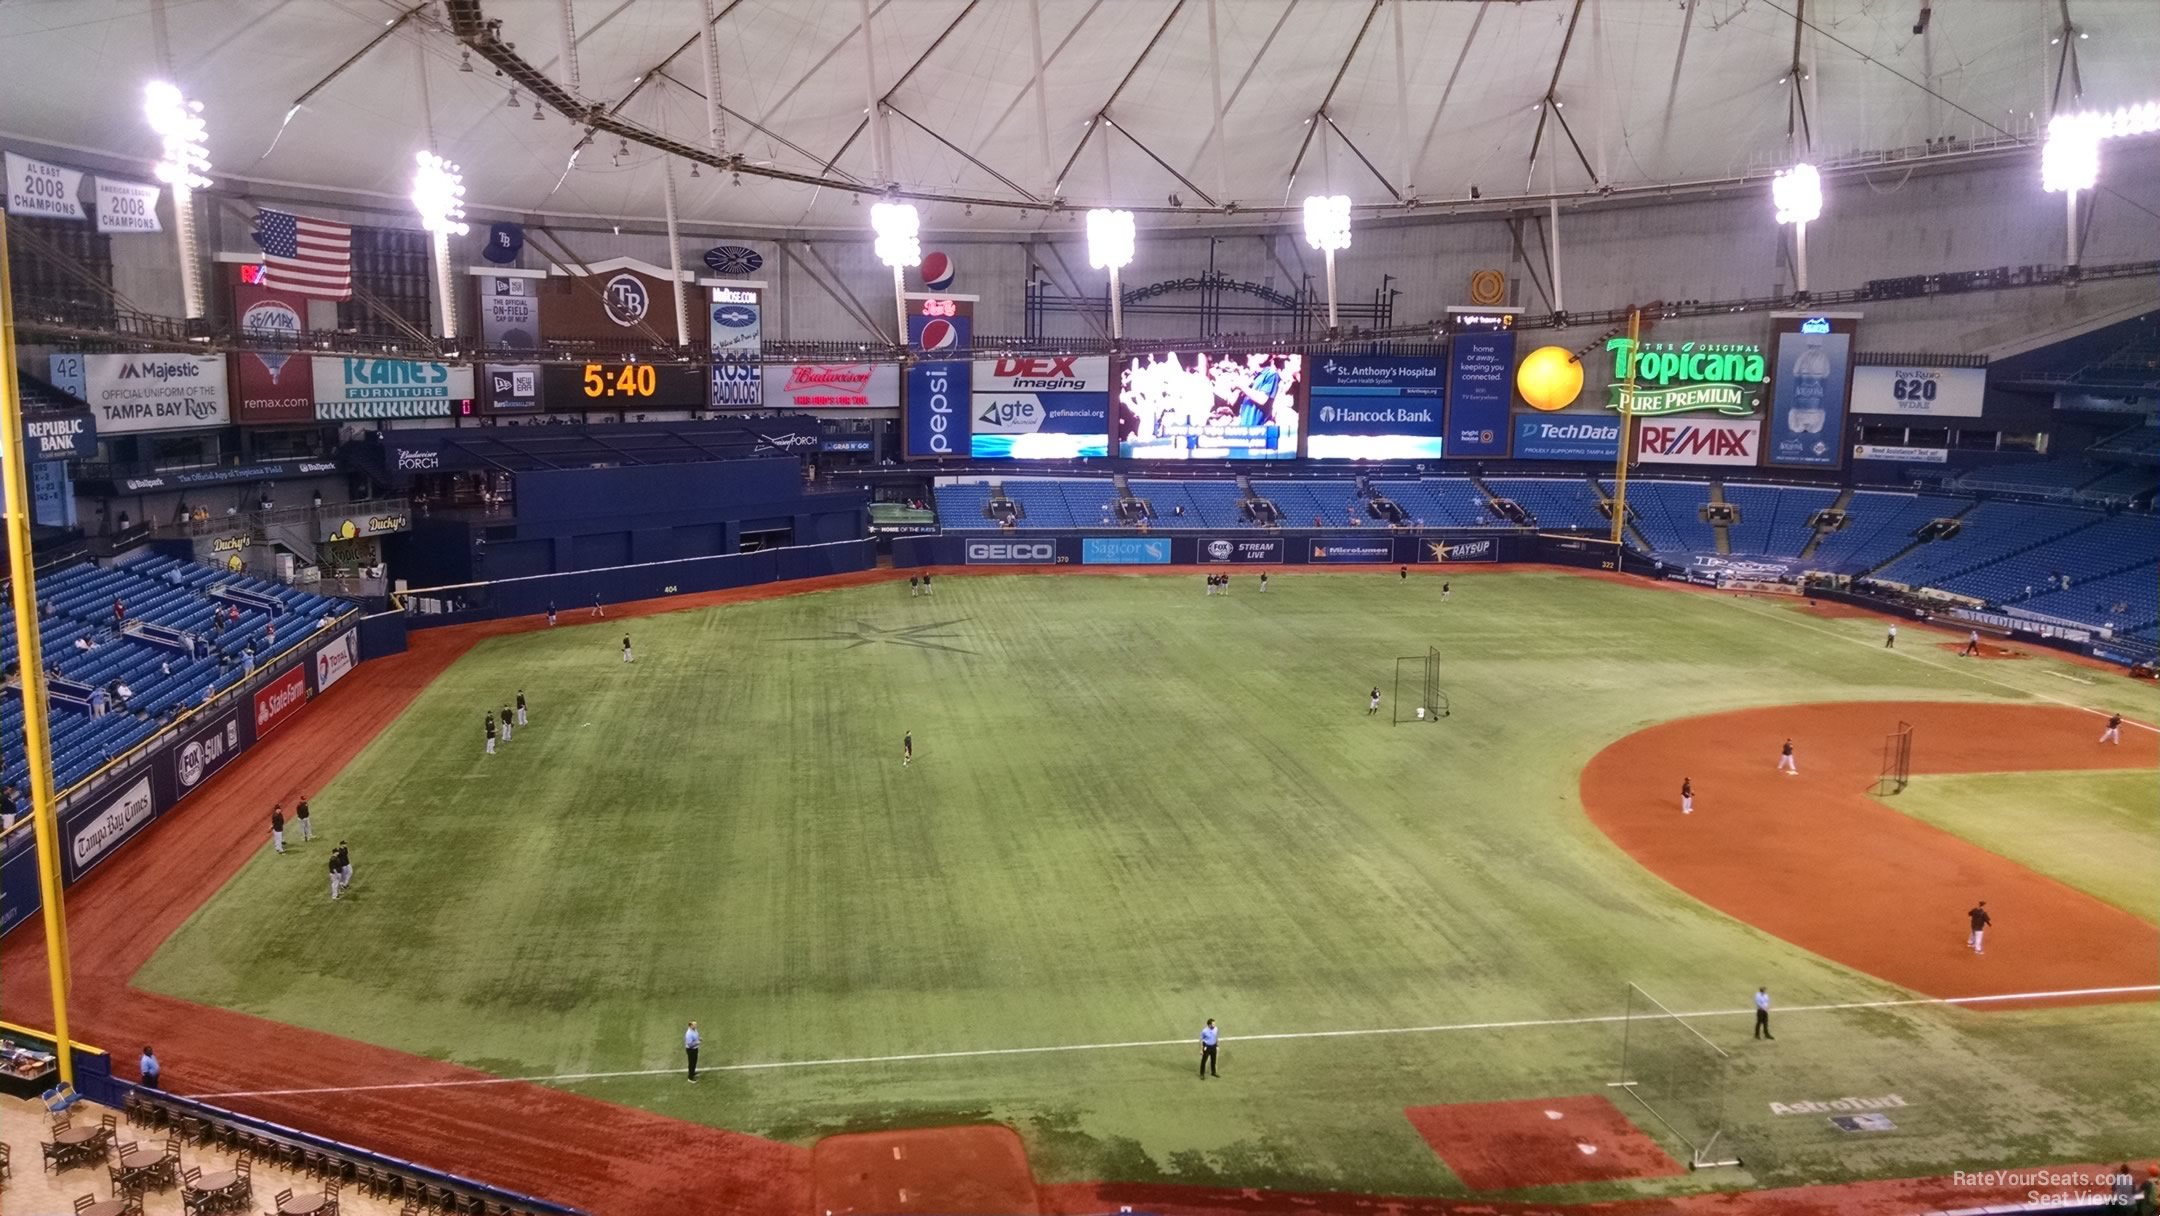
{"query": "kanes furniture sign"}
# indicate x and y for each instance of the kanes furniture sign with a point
(349, 390)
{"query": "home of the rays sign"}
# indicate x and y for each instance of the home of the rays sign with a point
(1682, 377)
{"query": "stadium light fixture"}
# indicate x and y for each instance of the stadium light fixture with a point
(438, 194)
(1327, 229)
(184, 164)
(2070, 160)
(899, 245)
(1111, 239)
(1796, 193)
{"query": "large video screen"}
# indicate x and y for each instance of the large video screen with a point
(1210, 407)
(1376, 407)
(1041, 408)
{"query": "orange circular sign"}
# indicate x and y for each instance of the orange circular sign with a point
(1487, 287)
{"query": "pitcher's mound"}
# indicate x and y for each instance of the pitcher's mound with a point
(1988, 650)
(951, 1171)
(1497, 1146)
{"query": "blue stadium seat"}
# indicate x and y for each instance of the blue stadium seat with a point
(1554, 502)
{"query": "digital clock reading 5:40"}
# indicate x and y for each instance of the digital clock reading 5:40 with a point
(629, 380)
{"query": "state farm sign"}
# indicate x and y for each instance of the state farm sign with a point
(280, 699)
(1698, 441)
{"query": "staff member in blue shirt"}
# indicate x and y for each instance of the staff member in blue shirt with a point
(1762, 1014)
(690, 1042)
(149, 1066)
(1208, 1035)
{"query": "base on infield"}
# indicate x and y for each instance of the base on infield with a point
(1502, 1146)
(980, 1170)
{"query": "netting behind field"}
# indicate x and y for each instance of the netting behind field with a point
(1678, 1077)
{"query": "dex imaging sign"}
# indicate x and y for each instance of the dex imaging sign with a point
(135, 393)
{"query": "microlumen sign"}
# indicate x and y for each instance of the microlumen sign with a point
(1680, 377)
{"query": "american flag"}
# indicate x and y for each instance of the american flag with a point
(309, 256)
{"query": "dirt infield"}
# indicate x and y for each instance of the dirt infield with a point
(1988, 650)
(1502, 1146)
(1817, 861)
(979, 1170)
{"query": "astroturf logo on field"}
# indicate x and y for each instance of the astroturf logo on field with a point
(921, 637)
(1680, 377)
(1836, 1105)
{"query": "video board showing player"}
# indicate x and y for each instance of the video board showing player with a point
(1210, 407)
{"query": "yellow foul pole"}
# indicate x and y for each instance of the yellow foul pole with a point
(1627, 438)
(37, 736)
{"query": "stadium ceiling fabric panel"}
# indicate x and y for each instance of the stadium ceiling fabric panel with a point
(1643, 95)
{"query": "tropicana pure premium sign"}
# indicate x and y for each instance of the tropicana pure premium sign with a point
(1679, 377)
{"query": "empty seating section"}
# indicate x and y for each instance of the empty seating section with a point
(1043, 505)
(1215, 501)
(1992, 531)
(2124, 482)
(1555, 502)
(2140, 440)
(1774, 519)
(160, 679)
(1877, 525)
(2093, 601)
(1441, 502)
(1668, 514)
(960, 506)
(2060, 474)
(2102, 545)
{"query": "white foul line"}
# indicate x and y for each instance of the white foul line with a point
(1133, 1044)
(1961, 670)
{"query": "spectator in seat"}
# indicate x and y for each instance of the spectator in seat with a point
(119, 612)
(124, 521)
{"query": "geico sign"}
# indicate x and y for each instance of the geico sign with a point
(1011, 551)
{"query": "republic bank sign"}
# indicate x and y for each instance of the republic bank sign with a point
(1682, 377)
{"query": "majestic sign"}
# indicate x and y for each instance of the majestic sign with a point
(348, 390)
(1376, 407)
(1807, 405)
(36, 187)
(136, 393)
(1698, 441)
(831, 385)
(1567, 437)
(59, 434)
(737, 332)
(1040, 407)
(1920, 392)
(1681, 377)
(1481, 376)
(126, 206)
(271, 386)
(1210, 407)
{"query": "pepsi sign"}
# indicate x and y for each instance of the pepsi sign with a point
(937, 271)
(938, 393)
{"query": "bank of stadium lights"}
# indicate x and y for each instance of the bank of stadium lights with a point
(1796, 193)
(2070, 160)
(1327, 229)
(184, 164)
(1111, 238)
(898, 245)
(438, 194)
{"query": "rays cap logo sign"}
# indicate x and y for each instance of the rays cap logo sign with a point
(626, 300)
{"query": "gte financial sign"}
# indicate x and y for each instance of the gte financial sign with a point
(1680, 377)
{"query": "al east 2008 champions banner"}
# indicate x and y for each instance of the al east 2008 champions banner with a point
(271, 386)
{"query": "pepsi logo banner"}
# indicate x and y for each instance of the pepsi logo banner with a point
(939, 390)
(271, 386)
(1040, 407)
(1698, 441)
(937, 271)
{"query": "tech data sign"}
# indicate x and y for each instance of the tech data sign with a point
(135, 393)
(1682, 377)
(352, 390)
(1699, 441)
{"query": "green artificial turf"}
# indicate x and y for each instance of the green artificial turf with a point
(2094, 831)
(1131, 807)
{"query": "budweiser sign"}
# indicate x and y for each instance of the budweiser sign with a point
(816, 385)
(280, 699)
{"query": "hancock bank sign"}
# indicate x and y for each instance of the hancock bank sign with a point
(1681, 377)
